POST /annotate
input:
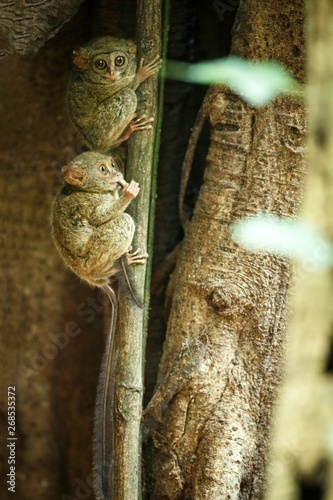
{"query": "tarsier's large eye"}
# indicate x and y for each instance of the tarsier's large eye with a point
(100, 64)
(104, 169)
(119, 61)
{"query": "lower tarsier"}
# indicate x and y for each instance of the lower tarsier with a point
(94, 236)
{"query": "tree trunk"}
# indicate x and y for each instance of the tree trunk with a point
(208, 422)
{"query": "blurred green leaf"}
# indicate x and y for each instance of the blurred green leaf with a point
(283, 237)
(257, 83)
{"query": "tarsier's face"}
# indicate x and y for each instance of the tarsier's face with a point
(106, 171)
(94, 172)
(106, 60)
(110, 66)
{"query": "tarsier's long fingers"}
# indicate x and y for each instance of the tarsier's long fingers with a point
(136, 258)
(156, 59)
(140, 261)
(143, 117)
(141, 123)
(152, 62)
(133, 253)
(150, 69)
(153, 66)
(131, 190)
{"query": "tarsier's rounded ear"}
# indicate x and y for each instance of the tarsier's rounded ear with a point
(74, 175)
(81, 58)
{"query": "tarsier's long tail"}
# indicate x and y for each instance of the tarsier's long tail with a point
(103, 448)
(128, 281)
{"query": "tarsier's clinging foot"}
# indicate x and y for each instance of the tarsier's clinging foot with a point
(136, 257)
(142, 123)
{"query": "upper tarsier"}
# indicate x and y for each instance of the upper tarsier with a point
(101, 96)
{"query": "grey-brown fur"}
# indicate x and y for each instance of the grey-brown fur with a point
(102, 101)
(89, 226)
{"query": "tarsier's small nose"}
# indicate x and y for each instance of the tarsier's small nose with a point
(111, 75)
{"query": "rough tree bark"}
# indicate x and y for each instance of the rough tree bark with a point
(26, 26)
(208, 422)
(194, 34)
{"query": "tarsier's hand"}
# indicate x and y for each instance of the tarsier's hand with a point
(131, 191)
(135, 124)
(145, 72)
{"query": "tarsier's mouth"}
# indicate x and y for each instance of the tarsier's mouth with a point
(122, 182)
(111, 76)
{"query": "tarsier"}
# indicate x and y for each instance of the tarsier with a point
(101, 96)
(94, 236)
